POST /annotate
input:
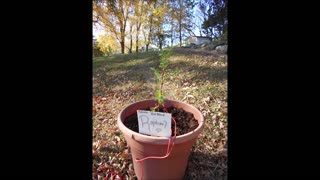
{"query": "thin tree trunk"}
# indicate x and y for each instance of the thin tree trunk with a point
(172, 33)
(122, 47)
(122, 31)
(180, 23)
(130, 49)
(150, 28)
(180, 37)
(137, 37)
(149, 35)
(160, 43)
(137, 41)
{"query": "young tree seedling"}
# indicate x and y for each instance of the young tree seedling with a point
(160, 73)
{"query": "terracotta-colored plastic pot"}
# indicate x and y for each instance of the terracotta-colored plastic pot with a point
(172, 167)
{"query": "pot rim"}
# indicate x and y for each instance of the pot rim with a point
(160, 140)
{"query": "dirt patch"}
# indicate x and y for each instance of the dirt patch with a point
(185, 121)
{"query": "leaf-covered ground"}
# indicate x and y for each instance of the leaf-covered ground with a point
(194, 76)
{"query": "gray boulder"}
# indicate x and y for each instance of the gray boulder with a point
(222, 49)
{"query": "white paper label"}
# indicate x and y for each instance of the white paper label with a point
(154, 123)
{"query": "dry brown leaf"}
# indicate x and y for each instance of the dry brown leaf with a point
(125, 154)
(103, 167)
(117, 138)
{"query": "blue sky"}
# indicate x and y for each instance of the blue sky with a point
(96, 30)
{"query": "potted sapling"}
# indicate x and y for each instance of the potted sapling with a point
(160, 132)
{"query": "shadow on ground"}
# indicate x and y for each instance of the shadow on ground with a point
(139, 71)
(202, 73)
(191, 51)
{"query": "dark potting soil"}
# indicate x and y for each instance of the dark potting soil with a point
(185, 121)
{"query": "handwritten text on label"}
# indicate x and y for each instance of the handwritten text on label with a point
(154, 123)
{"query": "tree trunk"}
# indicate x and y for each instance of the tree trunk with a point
(150, 30)
(180, 25)
(180, 22)
(122, 47)
(171, 35)
(137, 38)
(122, 31)
(180, 37)
(137, 35)
(160, 45)
(130, 50)
(137, 41)
(149, 38)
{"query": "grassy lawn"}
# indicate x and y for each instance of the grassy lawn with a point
(196, 77)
